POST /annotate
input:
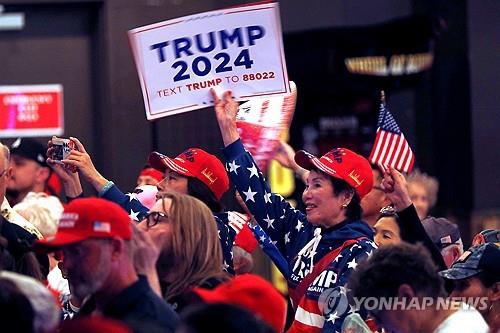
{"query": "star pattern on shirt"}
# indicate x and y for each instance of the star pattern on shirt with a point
(287, 237)
(352, 264)
(225, 266)
(267, 197)
(337, 257)
(131, 196)
(233, 167)
(269, 222)
(253, 171)
(137, 212)
(299, 225)
(249, 194)
(134, 215)
(332, 317)
(355, 246)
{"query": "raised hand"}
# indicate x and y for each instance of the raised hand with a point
(226, 109)
(68, 175)
(394, 185)
(82, 161)
(145, 254)
(285, 156)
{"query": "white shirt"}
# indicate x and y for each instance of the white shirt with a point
(13, 217)
(464, 320)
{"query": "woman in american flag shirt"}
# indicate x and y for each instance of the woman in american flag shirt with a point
(323, 246)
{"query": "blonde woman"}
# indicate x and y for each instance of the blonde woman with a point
(186, 250)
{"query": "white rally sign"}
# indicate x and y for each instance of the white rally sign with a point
(261, 123)
(180, 60)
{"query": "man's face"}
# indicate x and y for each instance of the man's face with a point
(87, 265)
(24, 174)
(146, 180)
(375, 200)
(470, 287)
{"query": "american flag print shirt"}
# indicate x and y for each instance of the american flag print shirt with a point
(291, 231)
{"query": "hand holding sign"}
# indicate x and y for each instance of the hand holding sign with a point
(225, 111)
(261, 123)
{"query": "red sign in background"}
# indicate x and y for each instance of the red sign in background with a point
(35, 110)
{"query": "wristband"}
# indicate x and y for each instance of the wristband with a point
(106, 187)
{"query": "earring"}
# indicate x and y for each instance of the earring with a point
(344, 206)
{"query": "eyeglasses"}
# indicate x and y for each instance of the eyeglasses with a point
(153, 218)
(3, 172)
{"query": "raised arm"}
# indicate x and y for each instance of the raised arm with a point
(226, 109)
(394, 184)
(83, 162)
(273, 213)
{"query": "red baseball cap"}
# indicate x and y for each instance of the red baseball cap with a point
(196, 163)
(341, 163)
(253, 293)
(152, 173)
(89, 218)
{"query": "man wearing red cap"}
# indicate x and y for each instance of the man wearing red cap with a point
(322, 246)
(94, 236)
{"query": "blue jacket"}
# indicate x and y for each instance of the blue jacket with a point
(291, 231)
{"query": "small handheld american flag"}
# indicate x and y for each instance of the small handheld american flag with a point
(390, 147)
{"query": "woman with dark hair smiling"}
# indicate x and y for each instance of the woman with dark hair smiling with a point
(322, 246)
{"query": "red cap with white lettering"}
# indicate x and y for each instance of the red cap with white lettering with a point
(89, 218)
(341, 163)
(196, 163)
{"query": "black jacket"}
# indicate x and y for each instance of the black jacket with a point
(138, 307)
(17, 248)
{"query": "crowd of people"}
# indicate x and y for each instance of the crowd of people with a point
(166, 257)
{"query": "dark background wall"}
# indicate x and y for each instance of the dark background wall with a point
(451, 114)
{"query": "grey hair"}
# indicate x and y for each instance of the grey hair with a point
(42, 211)
(431, 184)
(46, 311)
